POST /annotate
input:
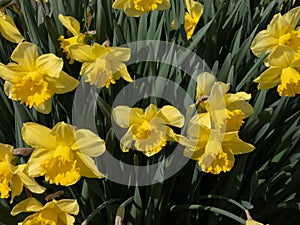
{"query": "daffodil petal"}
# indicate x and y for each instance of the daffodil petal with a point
(38, 136)
(9, 30)
(30, 183)
(269, 78)
(119, 4)
(64, 133)
(66, 219)
(233, 143)
(120, 115)
(88, 167)
(89, 143)
(82, 53)
(27, 205)
(70, 23)
(205, 82)
(63, 83)
(171, 116)
(45, 107)
(69, 206)
(282, 56)
(37, 157)
(253, 222)
(244, 106)
(49, 64)
(25, 54)
(16, 187)
(262, 43)
(124, 74)
(164, 5)
(292, 17)
(126, 141)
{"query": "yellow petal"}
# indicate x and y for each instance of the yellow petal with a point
(124, 74)
(282, 57)
(89, 143)
(171, 116)
(49, 64)
(70, 23)
(233, 143)
(16, 187)
(64, 134)
(269, 78)
(131, 11)
(119, 4)
(66, 219)
(245, 107)
(45, 107)
(25, 54)
(38, 136)
(6, 73)
(88, 167)
(253, 222)
(205, 83)
(27, 205)
(82, 53)
(30, 183)
(126, 140)
(6, 152)
(292, 17)
(37, 157)
(121, 116)
(69, 206)
(263, 42)
(164, 5)
(150, 112)
(63, 83)
(9, 30)
(278, 26)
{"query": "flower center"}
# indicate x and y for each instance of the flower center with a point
(234, 120)
(31, 89)
(40, 220)
(223, 162)
(290, 82)
(291, 39)
(5, 178)
(62, 168)
(146, 5)
(143, 131)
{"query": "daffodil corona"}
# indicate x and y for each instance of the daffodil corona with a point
(138, 7)
(52, 213)
(13, 177)
(62, 154)
(34, 79)
(102, 65)
(148, 129)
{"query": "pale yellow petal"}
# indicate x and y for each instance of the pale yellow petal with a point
(205, 83)
(171, 116)
(69, 206)
(25, 54)
(45, 107)
(49, 64)
(89, 143)
(126, 141)
(292, 17)
(253, 222)
(70, 23)
(164, 5)
(16, 187)
(63, 83)
(38, 136)
(27, 205)
(119, 4)
(82, 53)
(150, 112)
(233, 143)
(9, 30)
(123, 73)
(263, 42)
(6, 152)
(30, 183)
(282, 57)
(64, 134)
(269, 78)
(66, 219)
(120, 115)
(37, 157)
(87, 166)
(6, 73)
(278, 26)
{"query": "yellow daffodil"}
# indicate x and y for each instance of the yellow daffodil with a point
(138, 7)
(148, 129)
(73, 26)
(62, 154)
(236, 106)
(253, 222)
(213, 150)
(34, 79)
(8, 28)
(281, 31)
(192, 16)
(284, 70)
(12, 178)
(102, 65)
(54, 212)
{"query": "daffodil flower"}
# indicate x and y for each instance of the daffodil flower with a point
(54, 212)
(34, 79)
(235, 105)
(102, 65)
(138, 7)
(14, 177)
(284, 71)
(281, 31)
(149, 130)
(73, 26)
(8, 28)
(213, 150)
(62, 154)
(192, 16)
